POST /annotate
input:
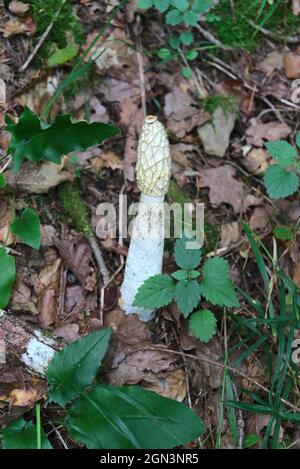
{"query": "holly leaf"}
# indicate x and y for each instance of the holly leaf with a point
(187, 296)
(279, 182)
(203, 324)
(155, 292)
(7, 276)
(216, 286)
(282, 151)
(187, 259)
(34, 140)
(27, 228)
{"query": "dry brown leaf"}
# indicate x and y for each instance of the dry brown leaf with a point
(106, 160)
(258, 132)
(67, 332)
(47, 289)
(230, 234)
(274, 60)
(34, 179)
(6, 217)
(256, 161)
(173, 385)
(20, 389)
(296, 276)
(291, 63)
(23, 299)
(260, 218)
(13, 27)
(18, 8)
(296, 7)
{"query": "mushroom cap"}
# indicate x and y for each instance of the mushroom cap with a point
(154, 158)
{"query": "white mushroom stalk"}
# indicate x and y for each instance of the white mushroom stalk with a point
(145, 256)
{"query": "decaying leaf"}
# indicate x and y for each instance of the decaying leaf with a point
(6, 217)
(291, 62)
(258, 132)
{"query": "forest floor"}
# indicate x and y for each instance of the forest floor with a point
(241, 78)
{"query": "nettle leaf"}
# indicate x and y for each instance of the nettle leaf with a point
(203, 324)
(201, 6)
(181, 5)
(298, 139)
(186, 38)
(144, 4)
(279, 182)
(2, 181)
(155, 292)
(174, 17)
(27, 227)
(190, 18)
(7, 276)
(130, 417)
(282, 151)
(186, 258)
(35, 140)
(161, 5)
(187, 296)
(216, 286)
(180, 275)
(22, 435)
(75, 367)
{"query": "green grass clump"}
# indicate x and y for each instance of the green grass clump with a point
(235, 31)
(43, 12)
(71, 200)
(227, 103)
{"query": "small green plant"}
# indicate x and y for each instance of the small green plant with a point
(101, 416)
(183, 286)
(282, 178)
(179, 12)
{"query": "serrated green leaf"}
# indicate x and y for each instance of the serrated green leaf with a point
(187, 72)
(20, 434)
(75, 367)
(193, 274)
(190, 18)
(279, 182)
(298, 139)
(2, 181)
(34, 140)
(203, 324)
(216, 285)
(164, 53)
(27, 227)
(181, 5)
(144, 4)
(187, 259)
(61, 56)
(186, 38)
(282, 151)
(161, 5)
(174, 41)
(187, 296)
(131, 417)
(180, 275)
(201, 6)
(7, 276)
(156, 292)
(174, 17)
(283, 233)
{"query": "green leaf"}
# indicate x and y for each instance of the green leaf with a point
(191, 54)
(193, 274)
(187, 72)
(201, 6)
(298, 139)
(2, 181)
(155, 292)
(216, 285)
(61, 56)
(180, 275)
(34, 140)
(186, 258)
(174, 41)
(181, 5)
(7, 276)
(174, 17)
(131, 417)
(279, 182)
(187, 296)
(190, 18)
(27, 227)
(251, 440)
(20, 434)
(144, 4)
(285, 234)
(282, 151)
(203, 325)
(186, 38)
(75, 367)
(161, 5)
(164, 53)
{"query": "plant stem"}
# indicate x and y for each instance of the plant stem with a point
(38, 426)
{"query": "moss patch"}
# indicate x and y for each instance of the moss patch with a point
(235, 30)
(227, 103)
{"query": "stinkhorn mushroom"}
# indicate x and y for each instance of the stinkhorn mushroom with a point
(145, 256)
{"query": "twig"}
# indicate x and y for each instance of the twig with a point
(99, 258)
(141, 67)
(240, 422)
(211, 38)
